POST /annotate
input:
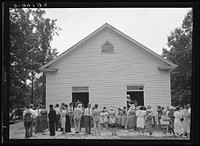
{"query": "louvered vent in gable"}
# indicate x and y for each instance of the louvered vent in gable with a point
(107, 48)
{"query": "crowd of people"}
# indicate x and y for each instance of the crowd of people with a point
(171, 120)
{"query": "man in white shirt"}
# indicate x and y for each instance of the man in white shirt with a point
(34, 118)
(77, 118)
(58, 115)
(38, 120)
(87, 116)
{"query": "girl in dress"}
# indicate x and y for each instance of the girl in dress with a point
(178, 127)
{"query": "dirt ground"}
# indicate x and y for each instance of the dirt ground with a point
(17, 131)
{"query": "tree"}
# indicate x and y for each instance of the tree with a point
(180, 53)
(30, 37)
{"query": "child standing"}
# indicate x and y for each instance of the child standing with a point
(123, 120)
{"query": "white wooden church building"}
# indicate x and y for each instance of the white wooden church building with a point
(104, 68)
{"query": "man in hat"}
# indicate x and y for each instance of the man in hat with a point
(77, 117)
(52, 120)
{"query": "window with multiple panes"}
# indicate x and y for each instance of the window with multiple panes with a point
(107, 48)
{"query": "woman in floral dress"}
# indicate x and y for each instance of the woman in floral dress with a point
(171, 121)
(149, 120)
(44, 123)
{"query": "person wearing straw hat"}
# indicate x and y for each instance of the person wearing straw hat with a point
(77, 117)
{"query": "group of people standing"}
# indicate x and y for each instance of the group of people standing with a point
(174, 120)
(36, 118)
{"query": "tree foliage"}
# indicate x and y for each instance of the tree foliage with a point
(180, 53)
(30, 37)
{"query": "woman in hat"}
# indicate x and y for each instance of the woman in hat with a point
(141, 119)
(131, 123)
(112, 120)
(178, 127)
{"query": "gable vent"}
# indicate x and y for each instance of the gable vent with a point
(107, 48)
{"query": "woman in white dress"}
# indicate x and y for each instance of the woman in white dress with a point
(141, 119)
(63, 118)
(178, 127)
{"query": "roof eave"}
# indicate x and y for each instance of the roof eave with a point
(167, 68)
(48, 69)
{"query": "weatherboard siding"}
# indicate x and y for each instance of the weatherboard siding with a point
(107, 75)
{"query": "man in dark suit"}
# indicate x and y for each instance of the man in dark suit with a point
(52, 120)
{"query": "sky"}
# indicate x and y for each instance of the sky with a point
(148, 26)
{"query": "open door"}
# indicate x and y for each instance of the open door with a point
(80, 94)
(83, 97)
(135, 95)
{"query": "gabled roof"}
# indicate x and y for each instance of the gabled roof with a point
(169, 66)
